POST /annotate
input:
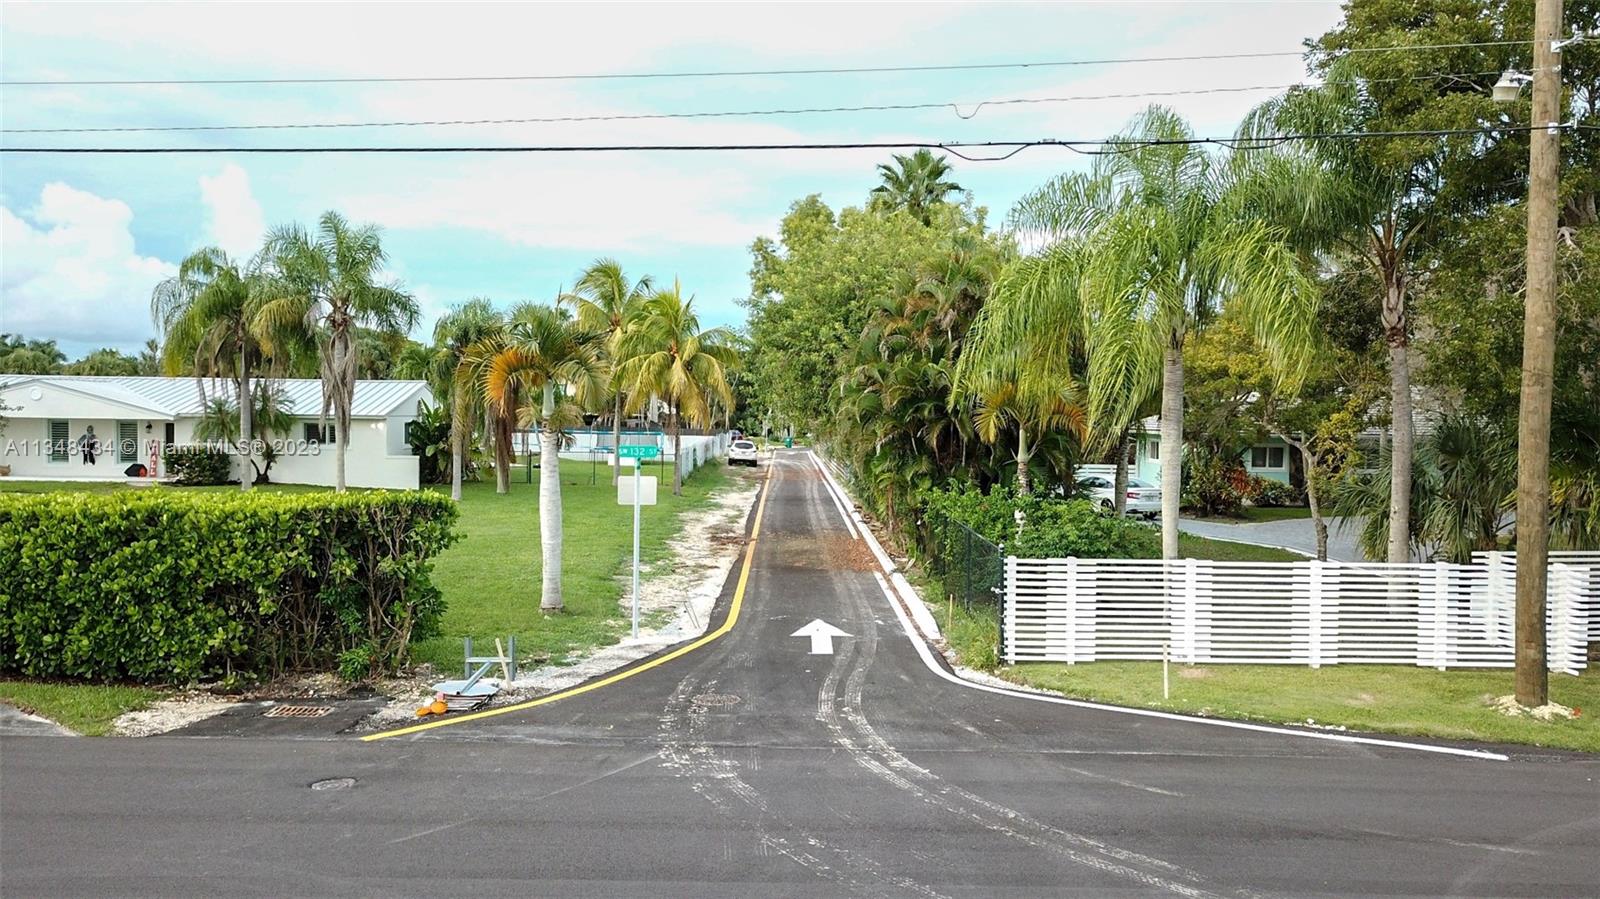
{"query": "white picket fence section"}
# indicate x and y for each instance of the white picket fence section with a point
(1436, 614)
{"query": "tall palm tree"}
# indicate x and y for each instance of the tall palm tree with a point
(453, 335)
(915, 183)
(609, 302)
(1338, 197)
(1147, 247)
(207, 315)
(543, 352)
(668, 355)
(328, 288)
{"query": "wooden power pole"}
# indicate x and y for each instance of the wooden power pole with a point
(1538, 359)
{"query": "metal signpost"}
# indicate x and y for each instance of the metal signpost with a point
(642, 491)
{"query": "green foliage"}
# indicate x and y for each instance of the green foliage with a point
(1272, 494)
(916, 184)
(106, 361)
(1046, 528)
(171, 586)
(29, 357)
(429, 438)
(1214, 485)
(197, 465)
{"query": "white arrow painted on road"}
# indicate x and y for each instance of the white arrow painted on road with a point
(821, 634)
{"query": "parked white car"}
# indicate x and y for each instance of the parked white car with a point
(1144, 498)
(742, 452)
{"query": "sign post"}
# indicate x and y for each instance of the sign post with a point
(641, 492)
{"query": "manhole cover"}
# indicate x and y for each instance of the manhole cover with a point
(707, 699)
(334, 783)
(297, 711)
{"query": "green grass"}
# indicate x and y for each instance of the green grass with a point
(1193, 547)
(86, 708)
(491, 578)
(1390, 699)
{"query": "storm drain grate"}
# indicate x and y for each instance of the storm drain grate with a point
(297, 711)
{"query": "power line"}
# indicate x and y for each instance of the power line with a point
(1087, 147)
(746, 73)
(955, 107)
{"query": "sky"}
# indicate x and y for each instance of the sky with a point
(84, 239)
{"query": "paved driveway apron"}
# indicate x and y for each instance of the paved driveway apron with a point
(752, 767)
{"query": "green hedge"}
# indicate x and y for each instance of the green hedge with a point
(1049, 528)
(162, 585)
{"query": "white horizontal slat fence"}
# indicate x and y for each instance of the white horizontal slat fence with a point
(1433, 614)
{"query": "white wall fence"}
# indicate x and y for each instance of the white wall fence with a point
(1433, 614)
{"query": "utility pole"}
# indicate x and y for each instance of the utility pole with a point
(1538, 358)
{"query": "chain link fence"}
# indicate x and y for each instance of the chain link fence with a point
(970, 568)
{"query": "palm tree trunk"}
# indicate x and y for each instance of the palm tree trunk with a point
(1394, 325)
(677, 461)
(247, 477)
(616, 439)
(502, 443)
(550, 506)
(1171, 444)
(1119, 484)
(458, 443)
(1024, 482)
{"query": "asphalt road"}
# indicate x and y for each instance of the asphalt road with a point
(750, 767)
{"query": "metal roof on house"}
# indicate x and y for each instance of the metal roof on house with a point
(176, 397)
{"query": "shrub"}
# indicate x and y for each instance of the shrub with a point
(1049, 528)
(1269, 493)
(1214, 486)
(197, 465)
(167, 586)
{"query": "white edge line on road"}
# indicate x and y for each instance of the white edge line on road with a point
(912, 601)
(834, 496)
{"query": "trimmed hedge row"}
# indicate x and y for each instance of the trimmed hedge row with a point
(163, 585)
(1048, 528)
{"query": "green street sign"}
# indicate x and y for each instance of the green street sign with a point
(639, 451)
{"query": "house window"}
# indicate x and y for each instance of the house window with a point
(59, 439)
(318, 434)
(127, 441)
(1266, 457)
(1133, 449)
(1153, 449)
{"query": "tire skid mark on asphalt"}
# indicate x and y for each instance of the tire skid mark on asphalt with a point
(715, 778)
(881, 758)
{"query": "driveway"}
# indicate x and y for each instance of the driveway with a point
(775, 757)
(1292, 533)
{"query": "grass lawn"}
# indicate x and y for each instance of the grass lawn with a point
(1389, 698)
(490, 578)
(86, 708)
(1193, 547)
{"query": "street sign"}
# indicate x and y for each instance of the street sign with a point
(638, 451)
(646, 490)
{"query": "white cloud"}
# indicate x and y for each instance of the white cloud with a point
(73, 273)
(233, 219)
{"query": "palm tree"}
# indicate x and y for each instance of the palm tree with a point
(1002, 404)
(1338, 197)
(453, 335)
(1146, 248)
(668, 355)
(207, 315)
(328, 289)
(915, 183)
(543, 351)
(609, 302)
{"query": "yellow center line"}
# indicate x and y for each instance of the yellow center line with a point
(733, 618)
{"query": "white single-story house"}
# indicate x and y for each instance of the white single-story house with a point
(48, 418)
(1269, 459)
